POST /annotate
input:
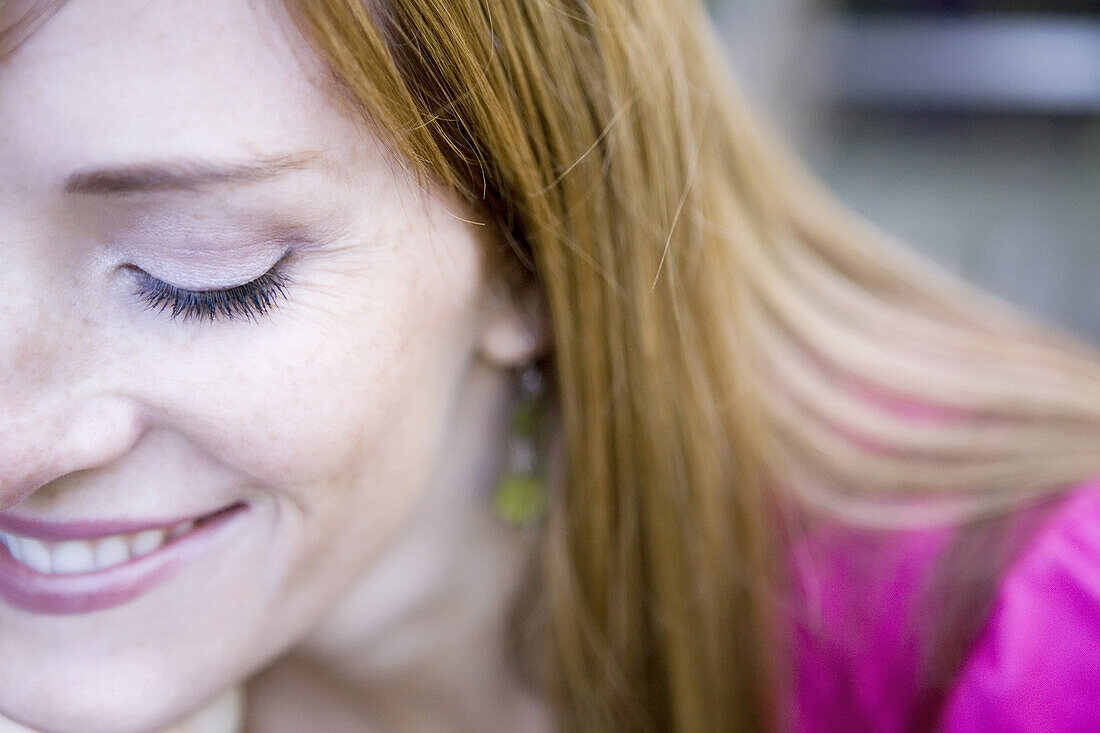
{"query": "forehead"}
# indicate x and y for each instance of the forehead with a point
(116, 81)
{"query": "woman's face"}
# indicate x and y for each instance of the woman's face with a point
(187, 143)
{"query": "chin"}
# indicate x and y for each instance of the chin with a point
(117, 699)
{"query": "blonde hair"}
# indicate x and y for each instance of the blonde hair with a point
(713, 312)
(718, 324)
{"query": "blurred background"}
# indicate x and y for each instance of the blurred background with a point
(968, 128)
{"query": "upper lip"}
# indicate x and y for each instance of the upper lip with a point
(90, 529)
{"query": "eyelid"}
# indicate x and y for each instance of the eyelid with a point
(248, 301)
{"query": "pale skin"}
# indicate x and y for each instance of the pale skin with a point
(362, 420)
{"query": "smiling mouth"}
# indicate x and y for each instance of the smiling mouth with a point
(75, 556)
(81, 567)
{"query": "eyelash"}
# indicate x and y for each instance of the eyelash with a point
(249, 301)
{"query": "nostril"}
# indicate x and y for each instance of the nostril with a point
(42, 444)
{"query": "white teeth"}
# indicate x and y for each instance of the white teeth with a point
(73, 556)
(145, 542)
(15, 547)
(83, 556)
(36, 555)
(111, 551)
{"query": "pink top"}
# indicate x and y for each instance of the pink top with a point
(855, 636)
(1033, 666)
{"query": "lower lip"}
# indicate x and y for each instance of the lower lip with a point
(101, 589)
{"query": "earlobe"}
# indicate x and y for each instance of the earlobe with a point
(506, 346)
(514, 333)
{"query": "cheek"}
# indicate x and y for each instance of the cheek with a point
(305, 406)
(336, 408)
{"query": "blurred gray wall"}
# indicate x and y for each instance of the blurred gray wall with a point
(988, 161)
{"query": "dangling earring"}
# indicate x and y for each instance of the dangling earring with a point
(520, 496)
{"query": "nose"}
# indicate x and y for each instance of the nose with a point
(59, 411)
(61, 408)
(50, 439)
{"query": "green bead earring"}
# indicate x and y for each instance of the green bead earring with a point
(520, 495)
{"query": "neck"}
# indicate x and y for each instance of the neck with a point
(422, 641)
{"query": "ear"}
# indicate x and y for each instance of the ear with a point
(515, 329)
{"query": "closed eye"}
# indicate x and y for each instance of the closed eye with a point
(248, 301)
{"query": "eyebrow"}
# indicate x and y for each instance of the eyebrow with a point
(180, 175)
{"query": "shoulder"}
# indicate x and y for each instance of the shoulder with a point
(1036, 665)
